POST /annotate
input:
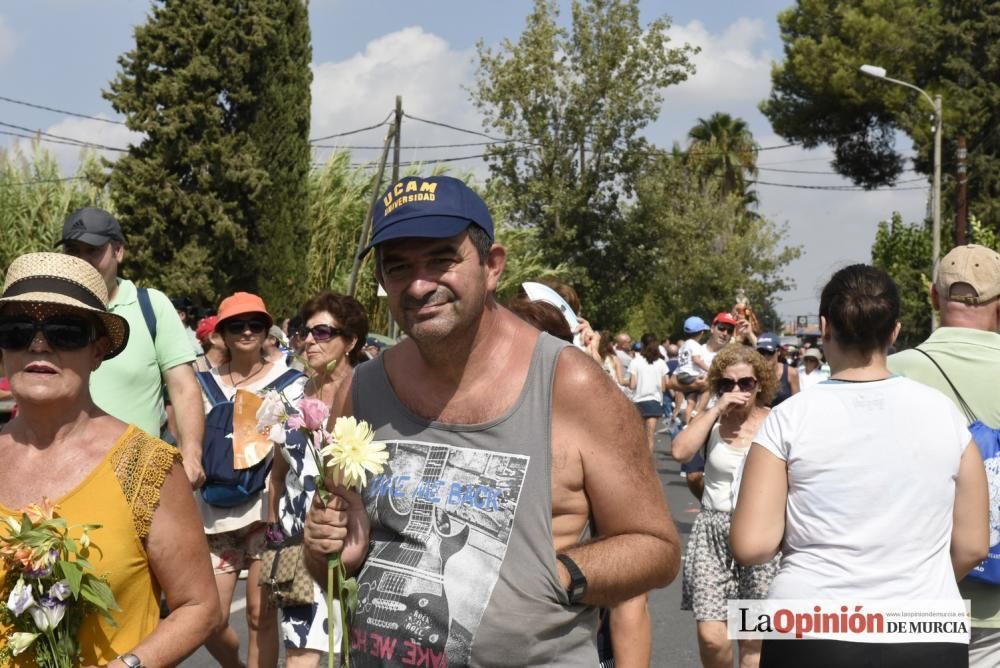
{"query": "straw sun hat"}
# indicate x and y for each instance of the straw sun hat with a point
(54, 278)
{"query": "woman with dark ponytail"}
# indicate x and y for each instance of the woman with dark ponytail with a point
(648, 380)
(869, 483)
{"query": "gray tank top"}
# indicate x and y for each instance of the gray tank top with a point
(461, 570)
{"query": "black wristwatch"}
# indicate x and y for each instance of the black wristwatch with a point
(577, 580)
(131, 660)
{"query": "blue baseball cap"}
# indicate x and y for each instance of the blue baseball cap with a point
(436, 207)
(694, 324)
(768, 342)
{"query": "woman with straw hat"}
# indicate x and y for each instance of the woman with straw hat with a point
(62, 449)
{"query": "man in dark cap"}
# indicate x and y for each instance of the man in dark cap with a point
(130, 386)
(506, 514)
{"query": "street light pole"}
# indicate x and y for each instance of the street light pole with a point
(880, 73)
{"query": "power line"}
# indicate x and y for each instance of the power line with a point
(836, 188)
(806, 171)
(455, 128)
(64, 139)
(36, 137)
(353, 132)
(59, 111)
(37, 181)
(419, 148)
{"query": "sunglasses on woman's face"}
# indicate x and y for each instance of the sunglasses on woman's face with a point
(240, 326)
(746, 384)
(320, 333)
(62, 332)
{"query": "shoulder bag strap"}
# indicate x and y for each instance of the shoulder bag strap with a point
(961, 402)
(211, 388)
(147, 312)
(284, 380)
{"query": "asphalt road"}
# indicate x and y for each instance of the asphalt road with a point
(674, 641)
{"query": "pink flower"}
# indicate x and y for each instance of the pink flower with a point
(295, 422)
(314, 413)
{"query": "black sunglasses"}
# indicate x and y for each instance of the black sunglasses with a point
(62, 332)
(240, 326)
(746, 384)
(320, 333)
(729, 329)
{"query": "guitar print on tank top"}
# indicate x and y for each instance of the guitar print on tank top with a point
(439, 508)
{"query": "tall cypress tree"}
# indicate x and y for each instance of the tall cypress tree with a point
(214, 198)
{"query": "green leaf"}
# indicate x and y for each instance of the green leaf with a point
(99, 593)
(73, 573)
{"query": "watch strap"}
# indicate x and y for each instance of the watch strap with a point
(577, 580)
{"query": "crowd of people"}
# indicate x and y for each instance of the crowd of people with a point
(504, 529)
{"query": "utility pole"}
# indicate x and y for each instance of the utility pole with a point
(393, 327)
(962, 207)
(352, 284)
(936, 241)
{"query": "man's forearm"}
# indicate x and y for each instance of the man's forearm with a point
(189, 413)
(618, 568)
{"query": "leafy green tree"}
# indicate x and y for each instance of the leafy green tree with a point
(714, 250)
(903, 251)
(213, 199)
(722, 147)
(947, 48)
(575, 102)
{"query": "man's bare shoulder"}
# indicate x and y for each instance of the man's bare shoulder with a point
(578, 376)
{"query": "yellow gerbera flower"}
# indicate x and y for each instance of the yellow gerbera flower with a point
(355, 452)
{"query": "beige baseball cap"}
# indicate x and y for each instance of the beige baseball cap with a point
(975, 265)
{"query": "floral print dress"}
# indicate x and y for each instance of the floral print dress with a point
(303, 626)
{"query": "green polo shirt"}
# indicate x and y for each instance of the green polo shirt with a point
(129, 386)
(971, 358)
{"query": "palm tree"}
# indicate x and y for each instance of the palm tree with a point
(722, 147)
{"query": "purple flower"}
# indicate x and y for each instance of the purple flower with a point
(20, 598)
(48, 613)
(60, 590)
(42, 567)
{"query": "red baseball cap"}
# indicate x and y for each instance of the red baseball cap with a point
(725, 318)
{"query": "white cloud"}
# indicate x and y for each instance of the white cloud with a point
(432, 79)
(731, 67)
(8, 41)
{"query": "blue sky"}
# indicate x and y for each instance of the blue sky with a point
(61, 53)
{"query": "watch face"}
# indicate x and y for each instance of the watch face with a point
(131, 660)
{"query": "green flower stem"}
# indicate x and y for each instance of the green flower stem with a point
(335, 564)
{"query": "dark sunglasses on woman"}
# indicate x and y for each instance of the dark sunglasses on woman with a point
(746, 384)
(240, 326)
(62, 332)
(320, 333)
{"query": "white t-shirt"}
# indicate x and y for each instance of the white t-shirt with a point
(720, 470)
(708, 356)
(214, 518)
(685, 357)
(647, 379)
(871, 488)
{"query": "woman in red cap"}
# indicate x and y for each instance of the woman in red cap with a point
(236, 533)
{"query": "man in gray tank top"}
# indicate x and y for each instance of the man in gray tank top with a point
(474, 546)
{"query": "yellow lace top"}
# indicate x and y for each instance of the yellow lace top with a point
(121, 494)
